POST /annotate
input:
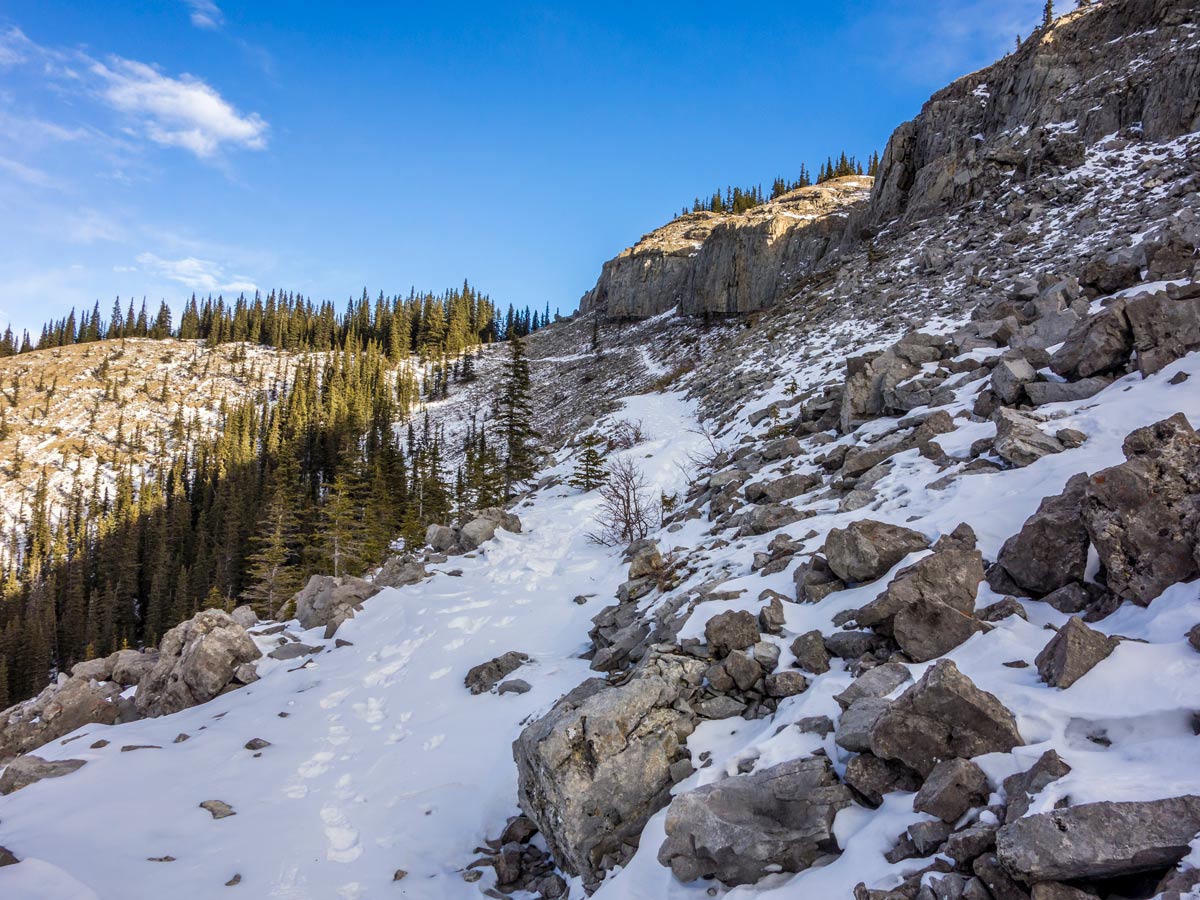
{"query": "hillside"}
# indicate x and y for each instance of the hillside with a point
(916, 613)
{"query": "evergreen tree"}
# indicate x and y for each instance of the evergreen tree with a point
(1048, 14)
(589, 472)
(515, 419)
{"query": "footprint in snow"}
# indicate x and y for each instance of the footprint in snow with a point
(343, 839)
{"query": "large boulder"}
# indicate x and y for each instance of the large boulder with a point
(26, 770)
(484, 524)
(868, 378)
(198, 660)
(1165, 326)
(1009, 379)
(943, 716)
(1021, 788)
(598, 765)
(1019, 440)
(1099, 840)
(1099, 345)
(399, 571)
(1050, 551)
(1143, 514)
(731, 630)
(59, 709)
(739, 829)
(1073, 652)
(328, 601)
(487, 675)
(866, 549)
(953, 787)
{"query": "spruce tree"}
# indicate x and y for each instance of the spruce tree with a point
(1048, 14)
(589, 472)
(515, 419)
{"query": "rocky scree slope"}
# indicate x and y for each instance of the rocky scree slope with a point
(923, 622)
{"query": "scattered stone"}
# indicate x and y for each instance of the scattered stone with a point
(943, 716)
(851, 645)
(485, 676)
(181, 737)
(815, 580)
(1019, 440)
(7, 858)
(99, 745)
(811, 655)
(928, 836)
(1072, 653)
(218, 808)
(1001, 610)
(738, 830)
(245, 616)
(821, 725)
(770, 517)
(876, 682)
(771, 618)
(731, 630)
(129, 748)
(514, 686)
(399, 571)
(1043, 392)
(866, 549)
(1099, 840)
(1009, 378)
(871, 777)
(257, 744)
(234, 881)
(1193, 637)
(26, 770)
(785, 684)
(953, 787)
(292, 651)
(1020, 789)
(1164, 329)
(1143, 515)
(856, 724)
(644, 559)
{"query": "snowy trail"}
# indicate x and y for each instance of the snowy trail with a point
(380, 759)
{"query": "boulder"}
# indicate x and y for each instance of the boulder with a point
(875, 682)
(1019, 789)
(1072, 653)
(26, 770)
(943, 716)
(441, 538)
(1009, 379)
(59, 709)
(1051, 549)
(815, 580)
(866, 549)
(769, 517)
(785, 684)
(781, 488)
(476, 532)
(868, 377)
(644, 559)
(953, 787)
(731, 630)
(93, 669)
(856, 725)
(871, 777)
(1099, 345)
(130, 666)
(293, 650)
(1042, 392)
(1164, 328)
(1143, 515)
(399, 571)
(771, 618)
(597, 766)
(198, 659)
(328, 601)
(1019, 440)
(811, 655)
(487, 675)
(245, 616)
(1099, 840)
(742, 828)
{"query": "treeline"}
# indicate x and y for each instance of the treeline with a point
(738, 200)
(311, 476)
(430, 325)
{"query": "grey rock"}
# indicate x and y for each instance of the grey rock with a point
(868, 379)
(856, 725)
(785, 684)
(851, 645)
(943, 716)
(59, 709)
(594, 768)
(219, 809)
(1019, 440)
(770, 517)
(1073, 652)
(811, 655)
(766, 655)
(1001, 610)
(400, 571)
(7, 858)
(866, 549)
(929, 835)
(952, 787)
(1164, 328)
(1041, 392)
(781, 488)
(1019, 789)
(971, 842)
(1099, 345)
(720, 707)
(245, 616)
(130, 666)
(742, 669)
(742, 828)
(1050, 551)
(731, 630)
(257, 744)
(872, 777)
(197, 660)
(514, 686)
(441, 538)
(1144, 514)
(1193, 637)
(26, 770)
(771, 618)
(815, 580)
(486, 675)
(1009, 379)
(328, 601)
(875, 682)
(645, 560)
(1099, 840)
(293, 650)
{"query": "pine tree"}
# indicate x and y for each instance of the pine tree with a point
(589, 472)
(515, 419)
(1048, 14)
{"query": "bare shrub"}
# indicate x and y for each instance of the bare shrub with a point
(626, 434)
(628, 511)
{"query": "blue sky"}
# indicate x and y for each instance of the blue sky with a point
(161, 147)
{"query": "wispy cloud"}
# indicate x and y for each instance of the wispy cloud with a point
(29, 174)
(200, 275)
(206, 14)
(184, 111)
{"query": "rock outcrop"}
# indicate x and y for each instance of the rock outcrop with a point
(327, 601)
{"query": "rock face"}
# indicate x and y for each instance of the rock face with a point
(711, 264)
(865, 550)
(1050, 551)
(943, 716)
(1143, 514)
(740, 829)
(27, 770)
(1072, 653)
(198, 660)
(328, 601)
(594, 769)
(1099, 840)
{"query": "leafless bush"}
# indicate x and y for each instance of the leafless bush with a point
(627, 433)
(628, 512)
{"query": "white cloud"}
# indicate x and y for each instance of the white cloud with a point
(29, 174)
(14, 47)
(206, 14)
(177, 112)
(200, 275)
